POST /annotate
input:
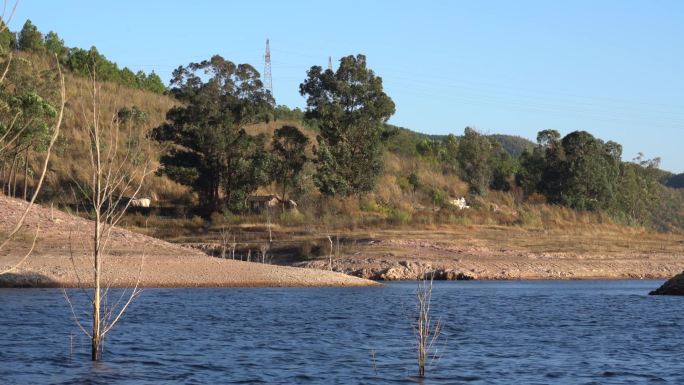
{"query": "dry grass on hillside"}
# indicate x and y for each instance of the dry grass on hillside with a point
(70, 160)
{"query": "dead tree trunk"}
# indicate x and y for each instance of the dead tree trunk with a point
(116, 180)
(427, 330)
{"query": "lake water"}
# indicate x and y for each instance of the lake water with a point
(505, 332)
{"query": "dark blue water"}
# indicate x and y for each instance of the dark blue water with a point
(600, 332)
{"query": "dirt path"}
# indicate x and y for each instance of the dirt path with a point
(164, 264)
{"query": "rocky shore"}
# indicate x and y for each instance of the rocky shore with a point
(385, 270)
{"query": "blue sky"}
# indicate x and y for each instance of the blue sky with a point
(613, 68)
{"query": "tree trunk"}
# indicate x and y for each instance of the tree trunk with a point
(26, 172)
(96, 351)
(4, 179)
(12, 188)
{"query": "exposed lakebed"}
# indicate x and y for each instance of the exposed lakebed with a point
(495, 332)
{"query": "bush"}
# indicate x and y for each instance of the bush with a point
(292, 218)
(399, 217)
(439, 197)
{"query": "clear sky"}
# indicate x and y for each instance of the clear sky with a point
(613, 68)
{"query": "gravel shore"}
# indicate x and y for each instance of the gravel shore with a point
(61, 259)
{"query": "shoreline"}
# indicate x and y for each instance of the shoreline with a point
(12, 284)
(478, 253)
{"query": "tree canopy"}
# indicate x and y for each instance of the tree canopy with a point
(350, 108)
(288, 150)
(211, 152)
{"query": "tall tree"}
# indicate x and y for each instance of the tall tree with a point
(288, 157)
(350, 108)
(55, 45)
(590, 171)
(211, 152)
(475, 157)
(30, 39)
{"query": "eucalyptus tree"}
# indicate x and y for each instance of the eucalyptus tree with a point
(210, 151)
(475, 155)
(288, 157)
(350, 108)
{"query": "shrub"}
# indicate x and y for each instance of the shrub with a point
(399, 217)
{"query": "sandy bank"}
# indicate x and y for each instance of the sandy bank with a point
(61, 259)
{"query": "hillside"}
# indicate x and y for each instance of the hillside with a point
(420, 176)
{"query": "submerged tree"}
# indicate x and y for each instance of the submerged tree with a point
(351, 108)
(117, 173)
(426, 329)
(210, 150)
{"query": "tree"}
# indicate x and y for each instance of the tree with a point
(8, 39)
(35, 119)
(55, 45)
(30, 39)
(11, 131)
(589, 172)
(578, 171)
(86, 63)
(288, 157)
(210, 150)
(350, 108)
(128, 78)
(117, 175)
(475, 153)
(504, 168)
(153, 83)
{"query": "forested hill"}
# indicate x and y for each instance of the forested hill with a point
(512, 144)
(213, 147)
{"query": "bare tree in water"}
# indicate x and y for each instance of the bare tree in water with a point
(118, 168)
(426, 329)
(13, 126)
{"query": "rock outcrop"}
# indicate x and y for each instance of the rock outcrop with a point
(394, 271)
(674, 286)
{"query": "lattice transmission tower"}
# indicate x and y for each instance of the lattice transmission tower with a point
(330, 63)
(268, 78)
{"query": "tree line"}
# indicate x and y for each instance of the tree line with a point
(210, 151)
(79, 61)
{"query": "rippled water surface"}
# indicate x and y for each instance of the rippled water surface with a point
(590, 332)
